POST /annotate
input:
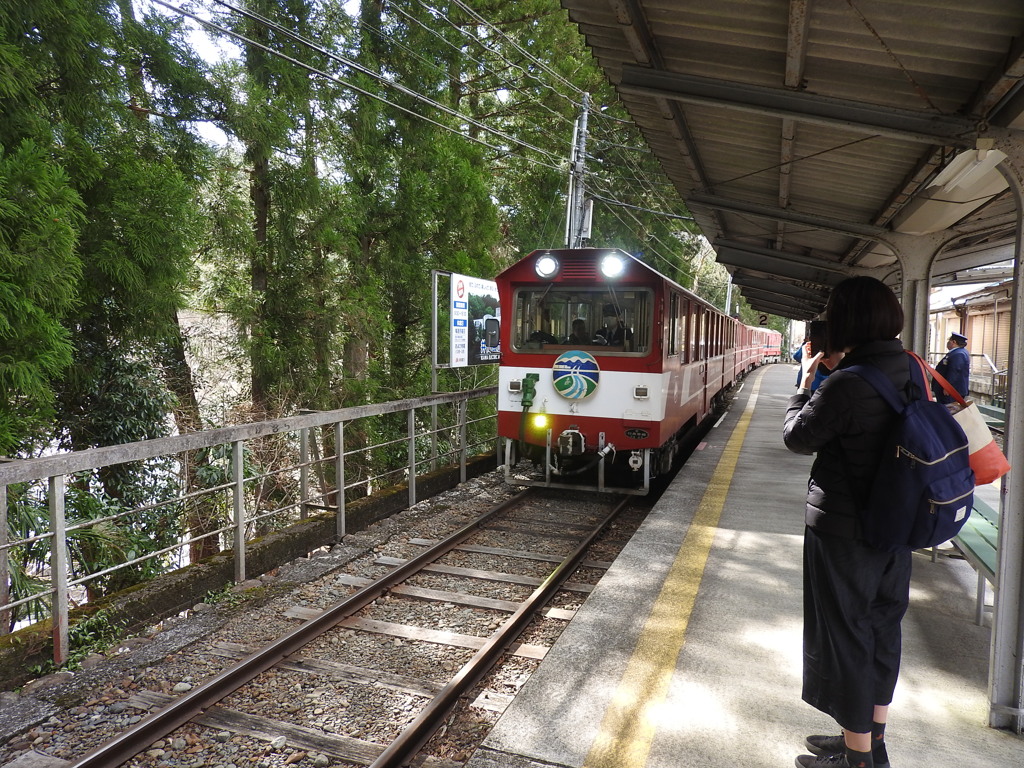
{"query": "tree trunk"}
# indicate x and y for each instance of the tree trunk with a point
(201, 514)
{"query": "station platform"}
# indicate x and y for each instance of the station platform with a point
(688, 652)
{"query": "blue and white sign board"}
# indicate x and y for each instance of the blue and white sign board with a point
(475, 315)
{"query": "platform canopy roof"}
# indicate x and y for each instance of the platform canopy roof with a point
(801, 133)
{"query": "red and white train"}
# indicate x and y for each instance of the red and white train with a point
(607, 362)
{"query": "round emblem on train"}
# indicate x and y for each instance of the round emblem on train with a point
(575, 374)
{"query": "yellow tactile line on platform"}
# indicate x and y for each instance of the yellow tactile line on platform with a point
(624, 739)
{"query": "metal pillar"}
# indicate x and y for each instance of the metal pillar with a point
(238, 506)
(59, 570)
(1006, 666)
(916, 255)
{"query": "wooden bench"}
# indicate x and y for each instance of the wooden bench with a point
(977, 541)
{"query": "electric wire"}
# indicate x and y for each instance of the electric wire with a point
(608, 198)
(648, 235)
(632, 160)
(377, 76)
(363, 91)
(620, 204)
(511, 85)
(514, 88)
(649, 249)
(516, 45)
(298, 38)
(647, 186)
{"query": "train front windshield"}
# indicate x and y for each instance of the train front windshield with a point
(598, 320)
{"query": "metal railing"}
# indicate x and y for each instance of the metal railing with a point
(239, 482)
(987, 381)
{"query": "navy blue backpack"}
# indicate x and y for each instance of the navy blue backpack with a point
(924, 489)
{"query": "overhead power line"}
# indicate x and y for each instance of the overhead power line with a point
(621, 204)
(473, 14)
(363, 91)
(380, 78)
(544, 157)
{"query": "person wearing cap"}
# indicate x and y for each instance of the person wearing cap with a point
(614, 333)
(955, 368)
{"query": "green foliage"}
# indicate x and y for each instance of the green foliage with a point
(102, 530)
(39, 274)
(225, 597)
(310, 233)
(91, 634)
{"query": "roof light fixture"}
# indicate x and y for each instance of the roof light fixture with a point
(969, 167)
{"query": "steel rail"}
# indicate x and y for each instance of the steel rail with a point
(157, 725)
(418, 732)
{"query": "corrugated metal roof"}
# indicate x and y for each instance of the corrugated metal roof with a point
(801, 133)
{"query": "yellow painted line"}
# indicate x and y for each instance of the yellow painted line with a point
(629, 724)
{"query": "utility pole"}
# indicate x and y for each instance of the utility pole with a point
(577, 220)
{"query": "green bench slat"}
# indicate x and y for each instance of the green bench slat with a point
(979, 541)
(985, 512)
(980, 536)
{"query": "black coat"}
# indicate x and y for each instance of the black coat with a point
(845, 422)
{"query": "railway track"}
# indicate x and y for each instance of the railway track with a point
(410, 667)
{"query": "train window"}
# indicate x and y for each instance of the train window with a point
(684, 330)
(673, 325)
(696, 332)
(555, 318)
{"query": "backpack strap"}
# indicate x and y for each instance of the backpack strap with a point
(885, 387)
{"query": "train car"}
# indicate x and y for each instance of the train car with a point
(606, 363)
(770, 343)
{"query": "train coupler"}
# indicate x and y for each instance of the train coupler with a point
(571, 443)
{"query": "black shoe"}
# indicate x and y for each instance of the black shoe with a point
(822, 761)
(826, 745)
(831, 746)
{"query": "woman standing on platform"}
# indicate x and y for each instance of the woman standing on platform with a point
(855, 595)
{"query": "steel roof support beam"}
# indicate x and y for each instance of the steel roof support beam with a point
(790, 258)
(781, 269)
(777, 288)
(796, 58)
(903, 124)
(754, 295)
(784, 310)
(853, 229)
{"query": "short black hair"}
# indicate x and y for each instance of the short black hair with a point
(862, 309)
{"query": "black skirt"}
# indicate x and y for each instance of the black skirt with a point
(855, 597)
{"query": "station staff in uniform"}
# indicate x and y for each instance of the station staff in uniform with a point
(955, 368)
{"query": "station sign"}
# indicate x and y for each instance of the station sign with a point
(475, 317)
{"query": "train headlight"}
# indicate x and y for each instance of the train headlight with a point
(641, 392)
(612, 266)
(540, 421)
(546, 267)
